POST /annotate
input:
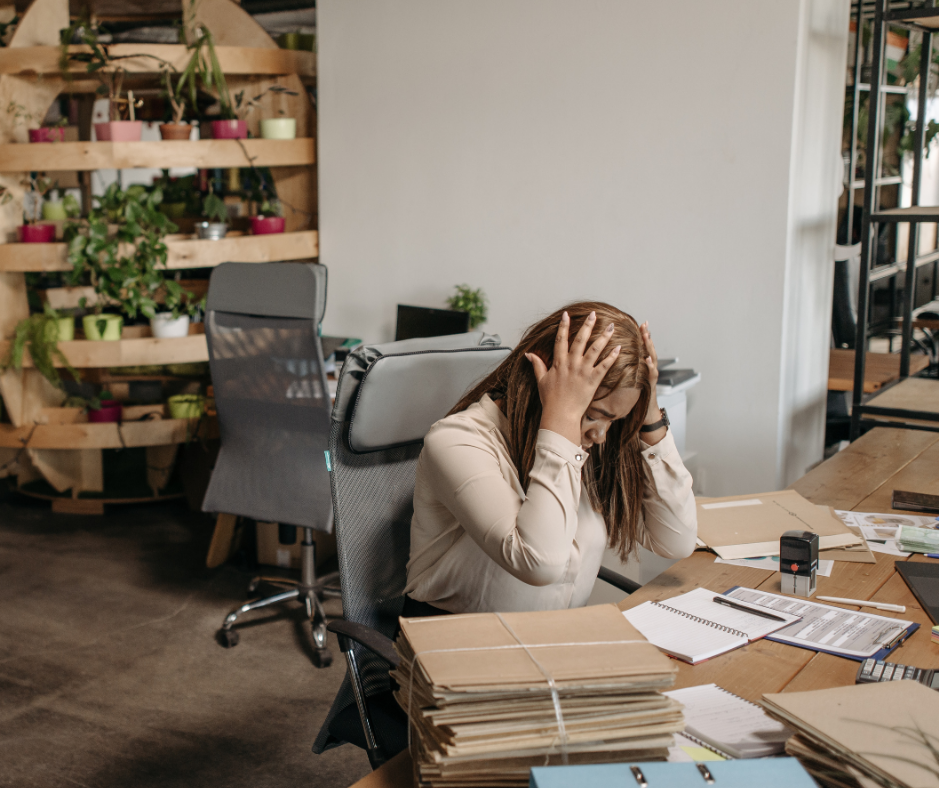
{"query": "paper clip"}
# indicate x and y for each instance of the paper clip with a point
(706, 775)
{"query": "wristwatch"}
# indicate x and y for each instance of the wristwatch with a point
(663, 422)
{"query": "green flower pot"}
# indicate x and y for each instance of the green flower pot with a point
(63, 330)
(54, 211)
(172, 210)
(93, 325)
(289, 40)
(186, 406)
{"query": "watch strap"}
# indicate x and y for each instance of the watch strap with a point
(663, 422)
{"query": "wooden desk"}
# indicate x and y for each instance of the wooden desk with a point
(860, 478)
(880, 368)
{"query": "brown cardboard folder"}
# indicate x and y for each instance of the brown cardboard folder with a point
(866, 734)
(747, 526)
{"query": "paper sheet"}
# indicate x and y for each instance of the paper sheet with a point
(772, 564)
(825, 627)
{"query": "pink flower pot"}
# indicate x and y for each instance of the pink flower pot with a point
(119, 131)
(229, 129)
(37, 233)
(56, 134)
(267, 225)
(109, 411)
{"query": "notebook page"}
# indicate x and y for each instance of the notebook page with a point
(680, 636)
(730, 723)
(699, 602)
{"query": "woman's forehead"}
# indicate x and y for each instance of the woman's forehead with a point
(617, 403)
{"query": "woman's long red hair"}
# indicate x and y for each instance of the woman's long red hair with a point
(614, 474)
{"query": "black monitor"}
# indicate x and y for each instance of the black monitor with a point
(422, 321)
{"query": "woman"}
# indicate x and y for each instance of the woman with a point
(559, 452)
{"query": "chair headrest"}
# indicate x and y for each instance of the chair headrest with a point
(391, 394)
(269, 289)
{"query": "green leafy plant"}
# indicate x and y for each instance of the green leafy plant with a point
(119, 250)
(214, 208)
(101, 64)
(7, 29)
(243, 107)
(37, 189)
(202, 69)
(472, 301)
(263, 192)
(179, 301)
(39, 334)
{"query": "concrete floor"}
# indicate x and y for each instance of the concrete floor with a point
(110, 674)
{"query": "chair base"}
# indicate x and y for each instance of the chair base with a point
(309, 590)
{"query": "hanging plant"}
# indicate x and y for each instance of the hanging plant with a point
(39, 334)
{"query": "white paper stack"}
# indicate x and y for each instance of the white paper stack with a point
(482, 711)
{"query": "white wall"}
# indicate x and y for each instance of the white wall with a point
(658, 156)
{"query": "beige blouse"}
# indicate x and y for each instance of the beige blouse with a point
(479, 543)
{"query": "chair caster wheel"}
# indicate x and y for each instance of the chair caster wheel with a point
(322, 658)
(227, 638)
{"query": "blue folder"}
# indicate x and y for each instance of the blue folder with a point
(762, 772)
(811, 647)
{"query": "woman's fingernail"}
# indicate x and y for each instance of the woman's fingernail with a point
(617, 349)
(592, 316)
(564, 316)
(610, 328)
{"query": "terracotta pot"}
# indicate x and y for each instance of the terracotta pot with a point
(112, 327)
(175, 131)
(56, 134)
(109, 411)
(37, 233)
(267, 225)
(229, 129)
(119, 131)
(279, 128)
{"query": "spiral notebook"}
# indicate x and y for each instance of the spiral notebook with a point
(693, 627)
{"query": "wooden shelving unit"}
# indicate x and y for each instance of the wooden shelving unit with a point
(44, 440)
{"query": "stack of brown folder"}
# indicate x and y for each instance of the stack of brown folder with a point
(482, 711)
(865, 735)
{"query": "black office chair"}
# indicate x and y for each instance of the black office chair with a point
(387, 399)
(273, 403)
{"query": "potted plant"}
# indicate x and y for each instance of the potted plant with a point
(471, 301)
(269, 217)
(53, 132)
(40, 334)
(235, 114)
(32, 230)
(178, 194)
(279, 128)
(180, 309)
(186, 406)
(118, 249)
(56, 208)
(215, 224)
(104, 409)
(107, 69)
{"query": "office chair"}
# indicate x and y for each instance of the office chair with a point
(273, 403)
(387, 399)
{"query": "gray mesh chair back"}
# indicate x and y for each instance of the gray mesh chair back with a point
(387, 398)
(262, 328)
(263, 332)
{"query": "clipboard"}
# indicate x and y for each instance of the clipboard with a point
(880, 654)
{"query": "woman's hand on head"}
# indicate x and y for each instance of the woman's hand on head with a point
(652, 412)
(567, 388)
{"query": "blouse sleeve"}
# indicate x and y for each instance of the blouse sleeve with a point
(670, 525)
(530, 537)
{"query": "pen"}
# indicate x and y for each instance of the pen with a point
(932, 555)
(863, 603)
(725, 601)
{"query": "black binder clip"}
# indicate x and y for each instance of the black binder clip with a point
(638, 776)
(706, 775)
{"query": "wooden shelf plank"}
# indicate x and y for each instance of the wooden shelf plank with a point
(184, 252)
(233, 60)
(84, 354)
(880, 368)
(914, 213)
(30, 157)
(159, 432)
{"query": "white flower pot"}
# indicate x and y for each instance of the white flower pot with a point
(279, 128)
(164, 326)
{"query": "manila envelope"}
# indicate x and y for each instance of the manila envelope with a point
(748, 526)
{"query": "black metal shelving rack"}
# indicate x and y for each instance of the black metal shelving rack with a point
(917, 16)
